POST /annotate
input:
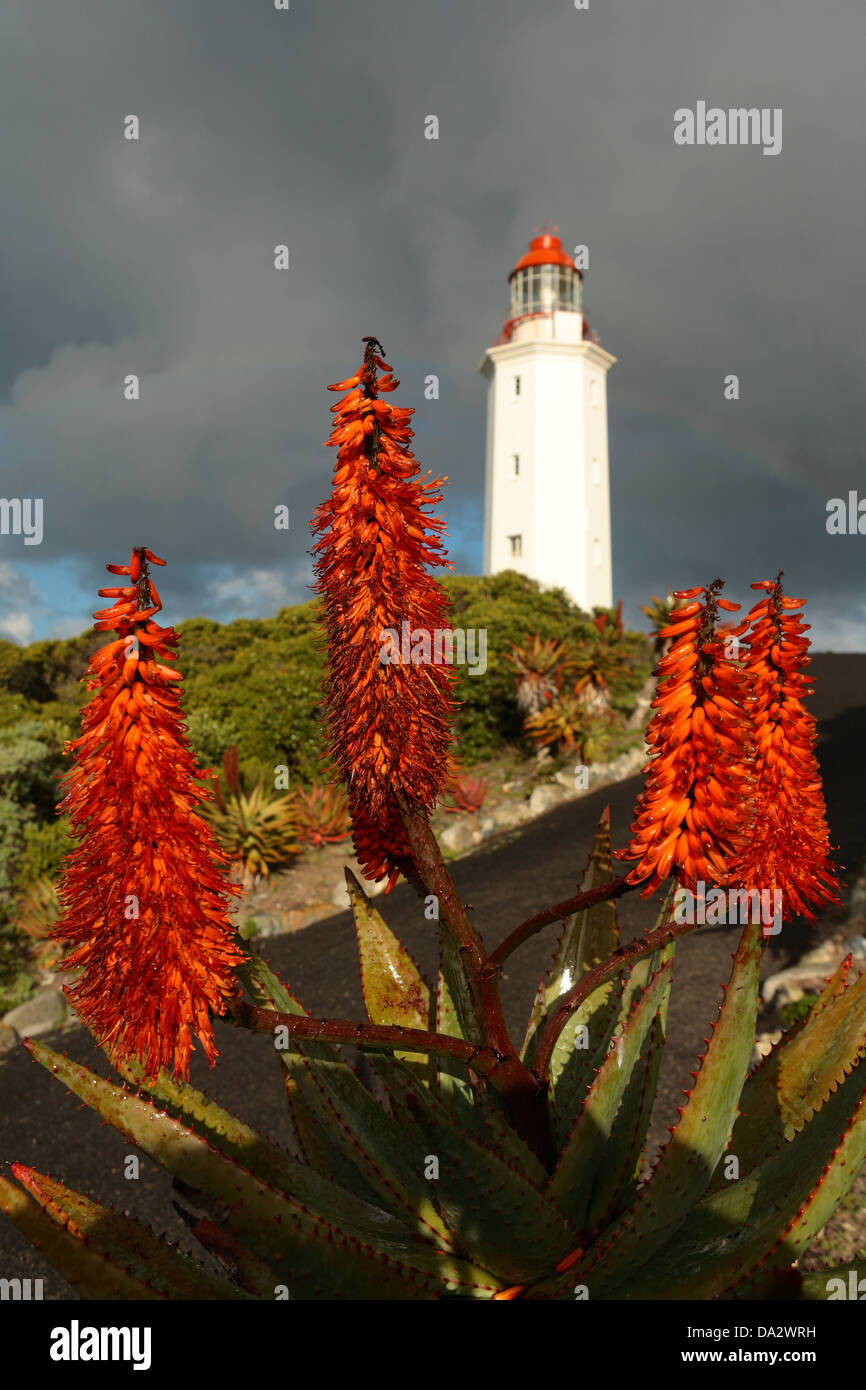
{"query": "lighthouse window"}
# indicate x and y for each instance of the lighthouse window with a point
(516, 544)
(517, 386)
(515, 465)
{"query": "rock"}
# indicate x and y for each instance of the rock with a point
(543, 755)
(41, 1014)
(566, 780)
(8, 1039)
(856, 945)
(857, 901)
(543, 798)
(266, 923)
(808, 976)
(340, 895)
(458, 836)
(487, 825)
(510, 814)
(764, 1043)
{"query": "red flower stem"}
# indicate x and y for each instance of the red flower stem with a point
(525, 1099)
(614, 888)
(301, 1027)
(625, 955)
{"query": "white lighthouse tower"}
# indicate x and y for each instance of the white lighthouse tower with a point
(547, 494)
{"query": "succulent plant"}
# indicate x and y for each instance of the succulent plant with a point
(420, 1185)
(538, 665)
(322, 814)
(467, 794)
(35, 912)
(258, 828)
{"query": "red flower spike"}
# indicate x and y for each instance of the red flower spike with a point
(697, 777)
(389, 718)
(144, 897)
(785, 843)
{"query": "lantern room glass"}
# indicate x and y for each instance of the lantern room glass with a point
(541, 289)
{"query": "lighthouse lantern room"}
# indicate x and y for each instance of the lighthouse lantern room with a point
(547, 494)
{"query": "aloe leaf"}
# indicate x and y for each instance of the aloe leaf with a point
(573, 1182)
(123, 1252)
(263, 984)
(834, 986)
(766, 1218)
(617, 1183)
(314, 1136)
(223, 1130)
(395, 991)
(683, 1171)
(372, 1141)
(251, 1273)
(588, 937)
(794, 1080)
(296, 1235)
(585, 1040)
(498, 1217)
(92, 1274)
(455, 1017)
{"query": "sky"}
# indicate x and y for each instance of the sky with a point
(306, 127)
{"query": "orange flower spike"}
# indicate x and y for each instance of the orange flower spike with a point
(785, 844)
(697, 777)
(375, 544)
(144, 897)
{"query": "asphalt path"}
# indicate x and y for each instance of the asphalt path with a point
(505, 881)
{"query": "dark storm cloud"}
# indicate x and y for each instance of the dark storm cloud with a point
(306, 127)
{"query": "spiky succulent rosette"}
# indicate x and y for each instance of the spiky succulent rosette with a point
(697, 778)
(145, 894)
(389, 717)
(786, 843)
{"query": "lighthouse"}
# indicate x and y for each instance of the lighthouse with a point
(547, 490)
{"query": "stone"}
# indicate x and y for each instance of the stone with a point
(543, 798)
(8, 1039)
(857, 901)
(266, 923)
(458, 836)
(41, 1014)
(340, 895)
(856, 945)
(764, 1043)
(510, 814)
(808, 976)
(487, 825)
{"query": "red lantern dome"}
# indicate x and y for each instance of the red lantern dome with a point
(544, 249)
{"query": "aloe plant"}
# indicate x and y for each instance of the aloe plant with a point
(322, 814)
(258, 828)
(422, 1181)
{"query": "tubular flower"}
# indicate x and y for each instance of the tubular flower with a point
(389, 699)
(144, 896)
(697, 777)
(786, 843)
